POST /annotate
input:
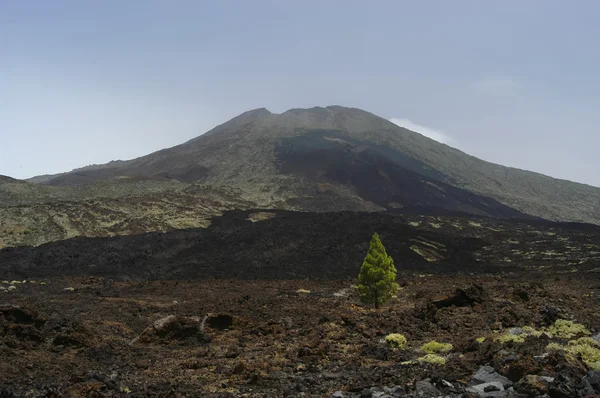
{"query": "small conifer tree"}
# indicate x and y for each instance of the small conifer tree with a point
(377, 277)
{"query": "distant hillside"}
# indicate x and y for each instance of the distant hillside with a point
(337, 158)
(33, 214)
(6, 179)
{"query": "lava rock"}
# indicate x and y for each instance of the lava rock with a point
(395, 391)
(590, 384)
(488, 390)
(380, 394)
(516, 331)
(469, 296)
(487, 374)
(550, 315)
(425, 388)
(534, 385)
(171, 328)
(561, 387)
(220, 321)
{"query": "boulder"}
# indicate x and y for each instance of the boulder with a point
(488, 390)
(426, 389)
(469, 296)
(171, 328)
(487, 374)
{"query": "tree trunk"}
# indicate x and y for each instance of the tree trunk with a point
(376, 300)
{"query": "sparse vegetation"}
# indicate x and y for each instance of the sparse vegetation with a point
(520, 336)
(586, 347)
(511, 338)
(532, 331)
(567, 329)
(434, 347)
(284, 334)
(433, 359)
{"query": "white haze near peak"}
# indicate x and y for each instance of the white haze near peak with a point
(432, 133)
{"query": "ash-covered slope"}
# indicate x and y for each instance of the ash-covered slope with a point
(336, 158)
(275, 244)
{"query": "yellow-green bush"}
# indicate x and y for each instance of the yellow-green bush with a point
(480, 340)
(511, 338)
(567, 329)
(434, 347)
(432, 358)
(587, 347)
(396, 340)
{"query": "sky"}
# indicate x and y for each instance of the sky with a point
(512, 82)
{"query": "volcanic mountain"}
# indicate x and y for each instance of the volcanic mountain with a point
(337, 158)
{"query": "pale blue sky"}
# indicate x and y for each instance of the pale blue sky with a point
(513, 82)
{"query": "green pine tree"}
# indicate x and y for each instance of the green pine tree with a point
(377, 277)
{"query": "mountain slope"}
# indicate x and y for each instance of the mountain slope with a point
(338, 158)
(33, 214)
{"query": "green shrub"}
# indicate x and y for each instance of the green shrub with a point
(377, 277)
(396, 340)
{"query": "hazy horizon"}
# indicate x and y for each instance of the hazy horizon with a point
(512, 83)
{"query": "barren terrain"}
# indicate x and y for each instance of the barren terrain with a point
(76, 336)
(261, 304)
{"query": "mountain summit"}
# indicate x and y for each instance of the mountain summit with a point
(339, 158)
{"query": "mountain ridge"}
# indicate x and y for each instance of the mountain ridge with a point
(253, 149)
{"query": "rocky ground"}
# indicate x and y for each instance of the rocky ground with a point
(260, 304)
(518, 335)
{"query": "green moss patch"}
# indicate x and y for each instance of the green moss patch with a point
(588, 348)
(567, 329)
(434, 347)
(433, 359)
